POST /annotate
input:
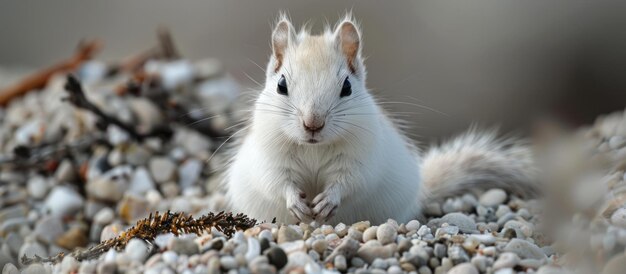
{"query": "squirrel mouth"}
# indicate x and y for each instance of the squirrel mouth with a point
(312, 141)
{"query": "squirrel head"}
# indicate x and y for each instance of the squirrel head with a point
(315, 85)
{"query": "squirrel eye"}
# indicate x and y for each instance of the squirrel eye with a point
(282, 86)
(346, 89)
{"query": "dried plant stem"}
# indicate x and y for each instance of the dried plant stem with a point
(148, 228)
(77, 98)
(39, 79)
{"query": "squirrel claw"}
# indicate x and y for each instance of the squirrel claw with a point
(325, 206)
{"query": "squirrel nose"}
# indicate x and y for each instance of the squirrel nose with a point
(313, 126)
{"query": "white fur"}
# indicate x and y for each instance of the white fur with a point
(362, 163)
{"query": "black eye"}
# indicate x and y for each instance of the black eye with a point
(282, 86)
(346, 89)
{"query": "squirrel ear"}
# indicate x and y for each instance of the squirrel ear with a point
(349, 39)
(281, 37)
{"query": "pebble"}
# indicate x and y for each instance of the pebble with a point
(73, 238)
(412, 225)
(162, 169)
(189, 173)
(525, 249)
(9, 268)
(287, 234)
(63, 200)
(228, 262)
(277, 257)
(141, 182)
(49, 228)
(111, 185)
(370, 234)
(183, 245)
(506, 260)
(30, 249)
(465, 223)
(319, 246)
(464, 268)
(493, 197)
(37, 187)
(386, 233)
(369, 253)
(104, 217)
(618, 218)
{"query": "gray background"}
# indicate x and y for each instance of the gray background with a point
(492, 62)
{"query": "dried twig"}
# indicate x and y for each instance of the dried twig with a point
(78, 99)
(39, 79)
(168, 48)
(148, 228)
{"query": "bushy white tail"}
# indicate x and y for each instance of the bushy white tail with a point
(478, 160)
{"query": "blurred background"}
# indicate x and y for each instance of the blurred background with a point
(507, 63)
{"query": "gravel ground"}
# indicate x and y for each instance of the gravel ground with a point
(104, 181)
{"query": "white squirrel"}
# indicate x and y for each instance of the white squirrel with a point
(319, 147)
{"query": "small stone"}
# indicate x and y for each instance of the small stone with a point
(386, 234)
(319, 246)
(228, 262)
(369, 253)
(136, 250)
(412, 225)
(525, 249)
(618, 218)
(440, 250)
(30, 249)
(464, 268)
(73, 238)
(502, 209)
(37, 187)
(110, 231)
(465, 223)
(132, 208)
(183, 246)
(170, 257)
(357, 262)
(295, 246)
(525, 228)
(277, 257)
(457, 254)
(379, 263)
(287, 234)
(49, 228)
(423, 231)
(162, 169)
(63, 201)
(9, 268)
(348, 248)
(361, 226)
(394, 269)
(69, 264)
(189, 173)
(111, 185)
(370, 234)
(254, 249)
(506, 260)
(341, 263)
(616, 142)
(493, 197)
(34, 269)
(141, 182)
(104, 216)
(615, 265)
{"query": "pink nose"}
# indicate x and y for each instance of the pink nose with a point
(314, 125)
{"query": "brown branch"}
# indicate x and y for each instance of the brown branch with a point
(166, 42)
(148, 228)
(78, 99)
(39, 79)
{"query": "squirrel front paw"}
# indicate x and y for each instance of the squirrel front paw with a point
(325, 204)
(297, 205)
